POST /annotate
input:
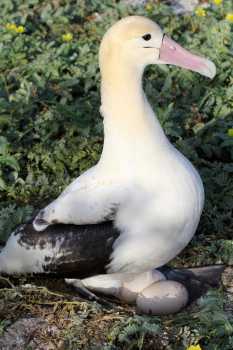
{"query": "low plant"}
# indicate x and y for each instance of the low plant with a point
(51, 129)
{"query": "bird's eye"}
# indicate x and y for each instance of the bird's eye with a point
(147, 37)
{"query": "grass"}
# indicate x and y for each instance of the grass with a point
(51, 131)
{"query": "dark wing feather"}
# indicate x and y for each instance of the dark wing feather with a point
(79, 251)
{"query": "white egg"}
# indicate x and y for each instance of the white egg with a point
(132, 287)
(162, 298)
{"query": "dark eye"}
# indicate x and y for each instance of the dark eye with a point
(146, 37)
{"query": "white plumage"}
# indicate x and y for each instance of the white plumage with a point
(153, 193)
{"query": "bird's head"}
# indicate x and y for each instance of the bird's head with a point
(137, 41)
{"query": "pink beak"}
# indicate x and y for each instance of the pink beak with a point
(173, 53)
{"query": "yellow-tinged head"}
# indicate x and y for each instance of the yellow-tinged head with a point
(134, 38)
(137, 41)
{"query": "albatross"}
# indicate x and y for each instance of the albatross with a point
(151, 194)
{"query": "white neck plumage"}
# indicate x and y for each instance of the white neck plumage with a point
(129, 120)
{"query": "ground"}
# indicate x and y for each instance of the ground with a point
(43, 313)
(51, 131)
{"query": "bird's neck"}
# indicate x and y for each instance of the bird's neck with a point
(129, 120)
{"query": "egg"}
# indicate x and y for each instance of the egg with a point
(162, 298)
(132, 287)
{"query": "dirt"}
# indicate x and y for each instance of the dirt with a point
(44, 314)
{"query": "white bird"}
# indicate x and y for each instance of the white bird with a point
(153, 193)
(142, 182)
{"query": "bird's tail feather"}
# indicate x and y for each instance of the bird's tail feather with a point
(197, 280)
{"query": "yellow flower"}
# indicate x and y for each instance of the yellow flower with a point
(67, 37)
(14, 28)
(149, 7)
(200, 12)
(194, 347)
(20, 29)
(229, 17)
(230, 132)
(217, 2)
(11, 26)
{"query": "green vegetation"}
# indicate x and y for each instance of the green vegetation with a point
(51, 130)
